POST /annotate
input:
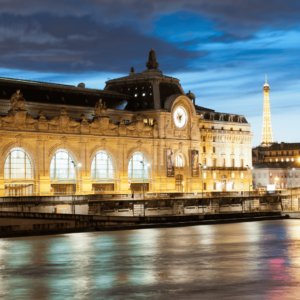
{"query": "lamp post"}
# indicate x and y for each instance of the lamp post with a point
(292, 188)
(249, 185)
(143, 163)
(79, 165)
(202, 167)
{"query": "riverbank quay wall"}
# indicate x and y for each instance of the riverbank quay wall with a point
(26, 224)
(155, 204)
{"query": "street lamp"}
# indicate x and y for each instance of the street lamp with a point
(79, 165)
(248, 167)
(293, 169)
(143, 163)
(202, 167)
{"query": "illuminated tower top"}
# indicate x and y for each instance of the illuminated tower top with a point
(267, 138)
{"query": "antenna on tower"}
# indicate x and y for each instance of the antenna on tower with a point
(266, 78)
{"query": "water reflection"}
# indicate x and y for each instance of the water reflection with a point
(255, 260)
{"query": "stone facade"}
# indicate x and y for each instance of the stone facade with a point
(40, 129)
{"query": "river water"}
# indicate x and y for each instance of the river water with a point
(254, 260)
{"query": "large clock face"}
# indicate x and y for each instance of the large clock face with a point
(180, 117)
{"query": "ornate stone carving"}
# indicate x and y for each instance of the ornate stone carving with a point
(17, 101)
(43, 123)
(102, 123)
(17, 117)
(100, 108)
(180, 134)
(138, 127)
(84, 124)
(63, 122)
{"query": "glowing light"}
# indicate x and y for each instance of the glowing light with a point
(267, 137)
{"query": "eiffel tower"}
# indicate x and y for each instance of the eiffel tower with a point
(267, 138)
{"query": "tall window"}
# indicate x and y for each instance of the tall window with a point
(214, 162)
(204, 149)
(232, 162)
(242, 163)
(214, 149)
(138, 167)
(224, 162)
(102, 166)
(178, 161)
(18, 165)
(61, 166)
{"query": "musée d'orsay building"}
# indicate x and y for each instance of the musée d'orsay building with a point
(141, 127)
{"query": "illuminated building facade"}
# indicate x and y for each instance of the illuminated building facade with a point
(141, 128)
(281, 161)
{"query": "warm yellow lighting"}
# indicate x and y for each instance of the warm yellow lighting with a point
(299, 159)
(267, 131)
(277, 178)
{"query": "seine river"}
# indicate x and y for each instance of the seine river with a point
(255, 260)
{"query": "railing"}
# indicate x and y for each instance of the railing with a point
(226, 168)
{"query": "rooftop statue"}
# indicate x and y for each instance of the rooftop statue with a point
(152, 63)
(17, 101)
(100, 108)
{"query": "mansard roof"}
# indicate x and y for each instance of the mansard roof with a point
(276, 165)
(148, 90)
(41, 92)
(282, 147)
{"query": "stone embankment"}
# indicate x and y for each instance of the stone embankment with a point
(14, 224)
(154, 203)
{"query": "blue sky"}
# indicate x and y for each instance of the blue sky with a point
(219, 49)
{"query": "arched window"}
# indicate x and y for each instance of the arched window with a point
(18, 165)
(178, 161)
(102, 166)
(62, 166)
(138, 167)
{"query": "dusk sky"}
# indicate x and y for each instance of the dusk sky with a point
(219, 49)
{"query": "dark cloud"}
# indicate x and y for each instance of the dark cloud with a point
(108, 35)
(249, 13)
(78, 44)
